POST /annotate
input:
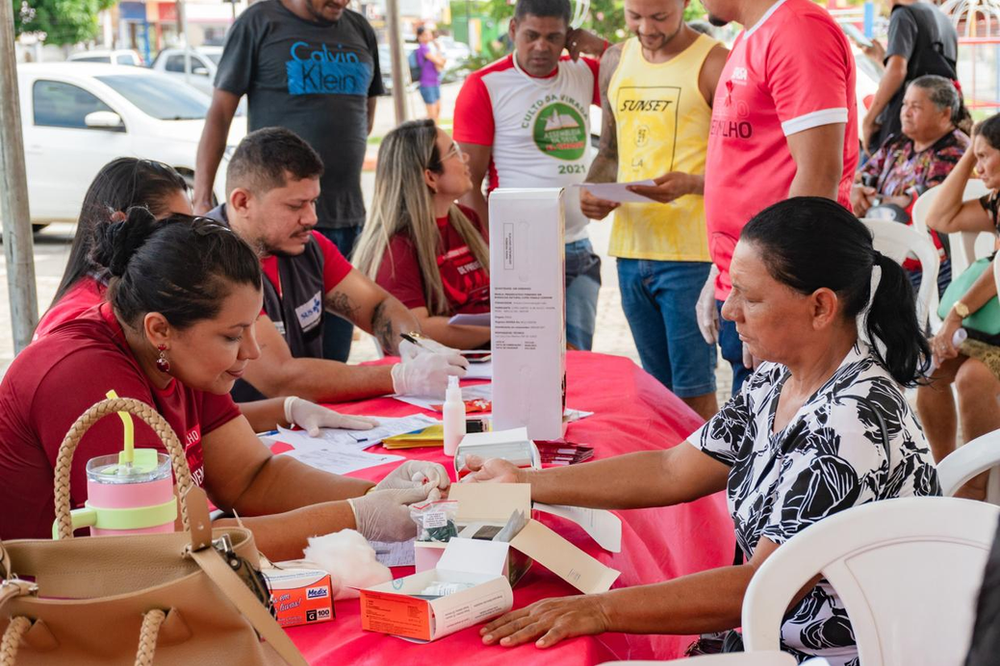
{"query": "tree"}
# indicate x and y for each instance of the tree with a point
(59, 22)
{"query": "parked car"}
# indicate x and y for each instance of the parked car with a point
(116, 57)
(204, 65)
(78, 117)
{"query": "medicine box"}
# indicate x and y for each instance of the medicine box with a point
(466, 588)
(300, 596)
(528, 313)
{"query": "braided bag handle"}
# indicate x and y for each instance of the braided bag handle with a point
(64, 461)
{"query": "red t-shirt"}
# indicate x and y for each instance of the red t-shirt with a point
(51, 383)
(466, 282)
(335, 266)
(791, 72)
(85, 294)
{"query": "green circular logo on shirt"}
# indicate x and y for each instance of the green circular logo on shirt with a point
(560, 132)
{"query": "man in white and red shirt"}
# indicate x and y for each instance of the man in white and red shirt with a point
(525, 122)
(784, 124)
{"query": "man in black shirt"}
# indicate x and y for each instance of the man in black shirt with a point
(922, 41)
(310, 66)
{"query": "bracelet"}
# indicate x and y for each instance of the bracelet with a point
(288, 409)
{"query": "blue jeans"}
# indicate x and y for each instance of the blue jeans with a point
(732, 350)
(659, 300)
(583, 282)
(337, 331)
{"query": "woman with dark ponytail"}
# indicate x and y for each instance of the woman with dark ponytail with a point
(176, 332)
(820, 427)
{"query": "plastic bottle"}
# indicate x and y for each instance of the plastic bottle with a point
(960, 336)
(454, 417)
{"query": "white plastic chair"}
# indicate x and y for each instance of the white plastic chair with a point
(895, 241)
(966, 246)
(969, 460)
(760, 658)
(908, 572)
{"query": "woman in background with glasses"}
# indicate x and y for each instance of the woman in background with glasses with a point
(418, 244)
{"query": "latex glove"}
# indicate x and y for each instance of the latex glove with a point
(426, 374)
(311, 417)
(706, 311)
(409, 351)
(493, 470)
(384, 515)
(415, 474)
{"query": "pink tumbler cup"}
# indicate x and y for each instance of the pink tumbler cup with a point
(128, 499)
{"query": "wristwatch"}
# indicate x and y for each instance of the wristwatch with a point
(961, 309)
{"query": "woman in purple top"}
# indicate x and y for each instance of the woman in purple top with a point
(431, 62)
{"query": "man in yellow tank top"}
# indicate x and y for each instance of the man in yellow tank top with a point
(656, 92)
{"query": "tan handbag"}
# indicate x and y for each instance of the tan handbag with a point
(125, 599)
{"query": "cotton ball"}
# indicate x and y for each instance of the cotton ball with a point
(349, 559)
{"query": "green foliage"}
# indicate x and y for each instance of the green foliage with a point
(61, 21)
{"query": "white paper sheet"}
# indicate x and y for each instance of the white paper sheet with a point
(338, 459)
(358, 439)
(617, 191)
(480, 371)
(481, 319)
(479, 391)
(603, 526)
(394, 553)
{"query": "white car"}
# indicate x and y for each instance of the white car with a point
(116, 57)
(204, 65)
(78, 117)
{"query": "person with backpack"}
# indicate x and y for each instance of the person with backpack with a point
(426, 64)
(922, 41)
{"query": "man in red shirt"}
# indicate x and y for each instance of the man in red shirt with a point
(784, 124)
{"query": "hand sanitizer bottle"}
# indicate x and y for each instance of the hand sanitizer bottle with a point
(454, 417)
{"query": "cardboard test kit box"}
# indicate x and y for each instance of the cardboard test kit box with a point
(404, 607)
(300, 596)
(528, 311)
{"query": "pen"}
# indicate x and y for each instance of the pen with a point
(416, 341)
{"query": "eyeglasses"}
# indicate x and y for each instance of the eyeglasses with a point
(454, 151)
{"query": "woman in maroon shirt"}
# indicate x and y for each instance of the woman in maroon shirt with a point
(176, 332)
(421, 246)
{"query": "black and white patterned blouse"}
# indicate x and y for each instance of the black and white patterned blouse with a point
(831, 456)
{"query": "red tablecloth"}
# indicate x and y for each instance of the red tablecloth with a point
(632, 412)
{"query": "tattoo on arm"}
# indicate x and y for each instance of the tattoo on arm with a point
(341, 304)
(383, 330)
(604, 168)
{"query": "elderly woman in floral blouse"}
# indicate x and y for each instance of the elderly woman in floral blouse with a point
(935, 136)
(819, 428)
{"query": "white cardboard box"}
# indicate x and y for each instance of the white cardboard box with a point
(528, 312)
(393, 608)
(493, 504)
(512, 445)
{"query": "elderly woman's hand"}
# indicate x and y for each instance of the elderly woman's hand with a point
(862, 198)
(551, 619)
(941, 344)
(493, 470)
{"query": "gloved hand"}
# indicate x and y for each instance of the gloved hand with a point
(415, 474)
(706, 312)
(409, 351)
(750, 362)
(426, 374)
(384, 515)
(311, 417)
